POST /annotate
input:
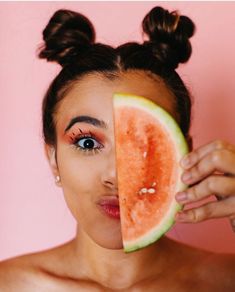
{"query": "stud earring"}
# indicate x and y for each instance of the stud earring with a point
(57, 179)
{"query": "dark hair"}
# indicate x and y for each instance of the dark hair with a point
(69, 39)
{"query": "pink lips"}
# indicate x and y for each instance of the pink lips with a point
(110, 206)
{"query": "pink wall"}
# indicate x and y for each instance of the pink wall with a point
(33, 214)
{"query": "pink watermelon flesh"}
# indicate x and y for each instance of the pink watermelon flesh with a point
(148, 173)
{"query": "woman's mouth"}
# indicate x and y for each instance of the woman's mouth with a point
(109, 205)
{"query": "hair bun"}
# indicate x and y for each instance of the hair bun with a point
(66, 35)
(169, 35)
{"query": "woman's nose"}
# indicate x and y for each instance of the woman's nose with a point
(109, 175)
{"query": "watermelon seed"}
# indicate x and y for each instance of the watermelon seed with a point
(143, 191)
(154, 184)
(151, 190)
(145, 154)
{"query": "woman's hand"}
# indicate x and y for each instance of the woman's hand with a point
(209, 170)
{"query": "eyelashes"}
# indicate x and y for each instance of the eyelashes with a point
(86, 143)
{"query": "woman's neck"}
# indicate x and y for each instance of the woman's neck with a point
(114, 268)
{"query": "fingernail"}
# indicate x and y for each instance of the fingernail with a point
(185, 162)
(181, 196)
(182, 217)
(187, 176)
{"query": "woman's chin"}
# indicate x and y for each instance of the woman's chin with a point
(110, 244)
(107, 235)
(109, 241)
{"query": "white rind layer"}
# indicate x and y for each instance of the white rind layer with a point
(171, 126)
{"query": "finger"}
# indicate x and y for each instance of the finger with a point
(195, 156)
(219, 197)
(207, 211)
(218, 160)
(217, 185)
(217, 173)
(232, 222)
(232, 218)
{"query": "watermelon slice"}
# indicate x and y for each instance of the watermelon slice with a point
(149, 146)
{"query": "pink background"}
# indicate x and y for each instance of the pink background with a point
(33, 214)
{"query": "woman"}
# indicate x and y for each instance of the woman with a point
(79, 145)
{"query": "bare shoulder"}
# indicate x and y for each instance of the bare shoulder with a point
(18, 274)
(30, 272)
(221, 267)
(206, 270)
(216, 271)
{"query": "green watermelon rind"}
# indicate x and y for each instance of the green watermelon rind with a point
(122, 99)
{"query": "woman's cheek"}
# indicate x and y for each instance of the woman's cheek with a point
(81, 174)
(76, 190)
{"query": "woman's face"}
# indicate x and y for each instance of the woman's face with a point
(86, 165)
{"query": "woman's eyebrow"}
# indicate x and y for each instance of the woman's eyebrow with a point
(88, 120)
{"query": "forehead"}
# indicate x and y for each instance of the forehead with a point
(92, 95)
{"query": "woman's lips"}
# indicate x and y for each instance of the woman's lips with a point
(109, 205)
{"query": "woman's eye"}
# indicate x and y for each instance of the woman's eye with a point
(88, 144)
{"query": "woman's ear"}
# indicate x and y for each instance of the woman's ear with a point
(51, 157)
